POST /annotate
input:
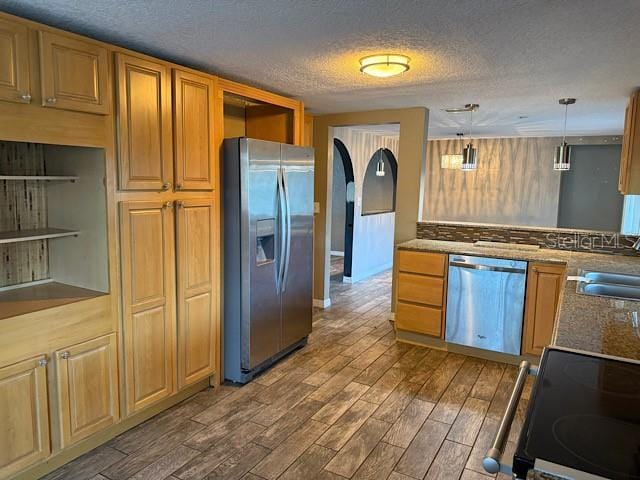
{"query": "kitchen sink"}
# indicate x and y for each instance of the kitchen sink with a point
(606, 284)
(612, 278)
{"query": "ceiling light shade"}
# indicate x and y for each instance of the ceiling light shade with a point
(380, 167)
(451, 160)
(386, 65)
(469, 158)
(562, 159)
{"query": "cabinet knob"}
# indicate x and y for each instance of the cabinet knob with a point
(166, 186)
(534, 269)
(65, 355)
(168, 205)
(180, 204)
(26, 97)
(51, 100)
(43, 362)
(178, 186)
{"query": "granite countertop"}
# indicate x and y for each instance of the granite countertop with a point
(584, 322)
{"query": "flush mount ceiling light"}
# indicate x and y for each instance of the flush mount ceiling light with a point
(470, 154)
(386, 65)
(562, 159)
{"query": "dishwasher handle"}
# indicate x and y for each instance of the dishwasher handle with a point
(487, 268)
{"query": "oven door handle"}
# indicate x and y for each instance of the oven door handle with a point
(492, 461)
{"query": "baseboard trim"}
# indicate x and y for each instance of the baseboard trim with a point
(320, 303)
(369, 273)
(337, 253)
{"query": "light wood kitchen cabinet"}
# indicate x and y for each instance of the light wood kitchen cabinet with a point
(544, 283)
(195, 153)
(145, 156)
(197, 243)
(629, 180)
(87, 388)
(24, 415)
(421, 279)
(14, 62)
(148, 291)
(74, 74)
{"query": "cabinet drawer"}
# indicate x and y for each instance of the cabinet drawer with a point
(422, 262)
(419, 319)
(420, 289)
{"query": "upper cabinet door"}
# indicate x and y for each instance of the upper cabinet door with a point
(144, 124)
(195, 153)
(87, 388)
(74, 74)
(197, 247)
(14, 62)
(148, 298)
(24, 417)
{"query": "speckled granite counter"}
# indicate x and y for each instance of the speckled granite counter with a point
(595, 324)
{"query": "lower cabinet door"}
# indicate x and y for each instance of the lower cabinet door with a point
(24, 416)
(87, 384)
(197, 244)
(148, 301)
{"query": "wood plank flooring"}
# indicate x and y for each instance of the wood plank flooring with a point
(353, 403)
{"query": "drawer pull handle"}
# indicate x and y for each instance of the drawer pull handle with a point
(43, 362)
(52, 100)
(65, 355)
(26, 97)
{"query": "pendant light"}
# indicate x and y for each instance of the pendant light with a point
(380, 167)
(562, 159)
(452, 161)
(470, 153)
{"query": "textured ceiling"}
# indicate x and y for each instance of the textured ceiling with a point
(513, 57)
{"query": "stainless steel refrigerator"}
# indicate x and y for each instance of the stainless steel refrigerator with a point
(268, 253)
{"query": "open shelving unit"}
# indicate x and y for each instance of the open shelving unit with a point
(53, 237)
(35, 234)
(41, 178)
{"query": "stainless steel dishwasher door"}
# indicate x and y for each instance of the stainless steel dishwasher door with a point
(485, 303)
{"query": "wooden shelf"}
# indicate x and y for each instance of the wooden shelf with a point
(35, 234)
(33, 298)
(44, 178)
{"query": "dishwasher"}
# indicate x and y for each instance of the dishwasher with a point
(485, 303)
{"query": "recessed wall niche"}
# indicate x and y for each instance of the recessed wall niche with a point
(53, 227)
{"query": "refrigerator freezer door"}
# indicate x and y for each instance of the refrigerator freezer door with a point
(297, 309)
(259, 169)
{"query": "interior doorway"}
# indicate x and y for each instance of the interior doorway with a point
(343, 196)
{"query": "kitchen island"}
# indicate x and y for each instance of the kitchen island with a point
(584, 322)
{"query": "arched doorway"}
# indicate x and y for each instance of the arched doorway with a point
(342, 205)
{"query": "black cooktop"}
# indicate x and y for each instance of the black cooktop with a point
(584, 414)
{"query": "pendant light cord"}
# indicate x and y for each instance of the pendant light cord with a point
(564, 132)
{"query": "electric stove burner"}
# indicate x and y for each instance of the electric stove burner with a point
(611, 379)
(583, 414)
(603, 442)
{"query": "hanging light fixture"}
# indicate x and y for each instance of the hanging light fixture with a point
(380, 167)
(562, 159)
(470, 153)
(386, 65)
(452, 160)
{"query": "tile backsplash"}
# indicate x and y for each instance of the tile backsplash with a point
(561, 239)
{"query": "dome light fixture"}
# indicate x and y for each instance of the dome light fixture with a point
(562, 159)
(385, 65)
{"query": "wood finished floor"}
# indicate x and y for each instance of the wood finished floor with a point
(352, 404)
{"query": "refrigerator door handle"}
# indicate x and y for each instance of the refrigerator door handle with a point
(288, 224)
(282, 233)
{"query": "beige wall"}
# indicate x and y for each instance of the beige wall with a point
(514, 184)
(411, 169)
